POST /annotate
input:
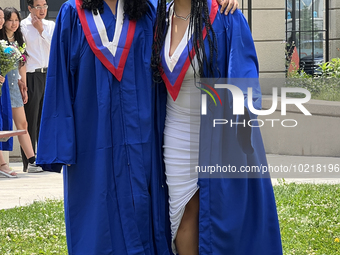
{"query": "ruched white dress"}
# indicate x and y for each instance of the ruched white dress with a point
(181, 139)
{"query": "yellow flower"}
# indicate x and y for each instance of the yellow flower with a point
(336, 240)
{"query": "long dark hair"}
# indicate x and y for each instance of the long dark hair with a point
(1, 10)
(135, 9)
(18, 37)
(17, 34)
(197, 20)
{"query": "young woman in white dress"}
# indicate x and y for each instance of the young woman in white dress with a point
(210, 216)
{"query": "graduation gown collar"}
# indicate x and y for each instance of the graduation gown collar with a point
(174, 72)
(112, 54)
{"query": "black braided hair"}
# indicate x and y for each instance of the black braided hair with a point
(135, 9)
(159, 38)
(199, 17)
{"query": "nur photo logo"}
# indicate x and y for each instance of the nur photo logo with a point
(204, 96)
(247, 99)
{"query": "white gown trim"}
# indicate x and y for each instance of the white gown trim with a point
(110, 45)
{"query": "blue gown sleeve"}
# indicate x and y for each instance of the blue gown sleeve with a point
(243, 71)
(235, 205)
(152, 12)
(56, 145)
(243, 61)
(154, 3)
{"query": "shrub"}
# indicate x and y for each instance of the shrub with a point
(324, 87)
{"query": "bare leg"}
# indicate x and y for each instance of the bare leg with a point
(187, 234)
(2, 160)
(3, 165)
(19, 118)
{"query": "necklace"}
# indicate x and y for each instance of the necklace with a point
(181, 17)
(10, 38)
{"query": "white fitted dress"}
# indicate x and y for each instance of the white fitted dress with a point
(181, 139)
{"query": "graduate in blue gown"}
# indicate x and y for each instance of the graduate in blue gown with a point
(237, 212)
(97, 122)
(6, 116)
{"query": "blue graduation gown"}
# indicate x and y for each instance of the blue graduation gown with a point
(114, 191)
(6, 116)
(237, 216)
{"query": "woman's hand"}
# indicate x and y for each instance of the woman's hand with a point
(2, 80)
(22, 83)
(227, 5)
(23, 90)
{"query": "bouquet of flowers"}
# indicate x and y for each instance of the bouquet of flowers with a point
(10, 55)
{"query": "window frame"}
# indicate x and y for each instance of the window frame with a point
(294, 31)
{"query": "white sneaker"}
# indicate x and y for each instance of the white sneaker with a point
(33, 168)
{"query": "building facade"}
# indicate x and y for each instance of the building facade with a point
(312, 26)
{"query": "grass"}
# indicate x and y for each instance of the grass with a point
(35, 229)
(309, 217)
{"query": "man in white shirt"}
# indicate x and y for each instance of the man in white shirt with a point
(38, 35)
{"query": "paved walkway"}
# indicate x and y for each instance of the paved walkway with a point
(31, 187)
(305, 169)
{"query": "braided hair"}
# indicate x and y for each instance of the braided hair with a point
(197, 20)
(135, 9)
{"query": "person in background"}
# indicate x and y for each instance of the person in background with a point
(38, 33)
(11, 32)
(5, 117)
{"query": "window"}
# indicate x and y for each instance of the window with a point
(306, 29)
(247, 5)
